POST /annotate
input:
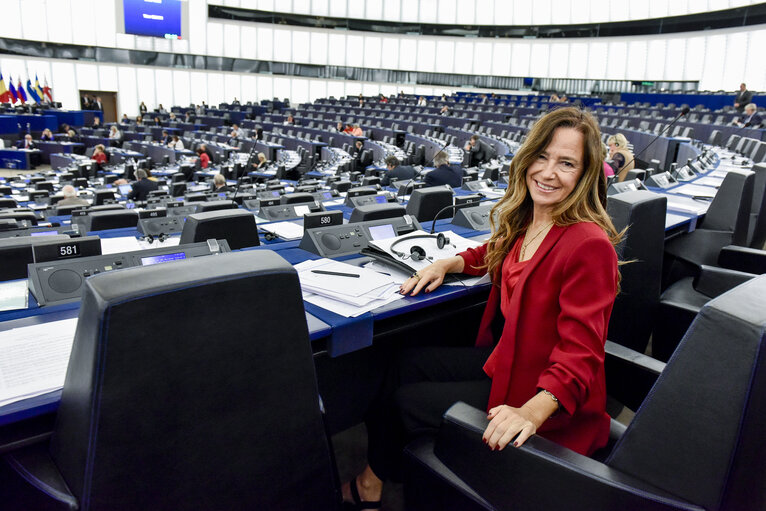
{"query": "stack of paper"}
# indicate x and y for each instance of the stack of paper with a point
(34, 359)
(285, 230)
(345, 289)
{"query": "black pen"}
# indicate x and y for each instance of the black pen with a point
(335, 273)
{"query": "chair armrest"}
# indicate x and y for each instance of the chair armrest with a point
(713, 281)
(630, 375)
(540, 474)
(749, 260)
(699, 247)
(35, 465)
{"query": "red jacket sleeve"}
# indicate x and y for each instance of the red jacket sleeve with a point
(589, 287)
(474, 258)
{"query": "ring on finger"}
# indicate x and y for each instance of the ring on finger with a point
(415, 275)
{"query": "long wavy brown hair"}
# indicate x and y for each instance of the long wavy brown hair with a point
(587, 202)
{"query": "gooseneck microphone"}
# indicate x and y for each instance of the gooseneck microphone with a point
(455, 206)
(685, 110)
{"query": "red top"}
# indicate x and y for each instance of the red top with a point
(511, 272)
(100, 157)
(204, 160)
(556, 320)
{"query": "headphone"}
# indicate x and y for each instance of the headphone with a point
(150, 238)
(417, 253)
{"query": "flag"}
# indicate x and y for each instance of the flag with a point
(12, 90)
(39, 89)
(32, 91)
(47, 90)
(5, 94)
(20, 92)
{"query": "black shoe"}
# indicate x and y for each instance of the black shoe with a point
(358, 503)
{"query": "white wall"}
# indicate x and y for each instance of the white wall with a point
(156, 85)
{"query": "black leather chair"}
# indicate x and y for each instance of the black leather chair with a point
(8, 203)
(426, 203)
(110, 219)
(725, 223)
(695, 443)
(218, 411)
(756, 234)
(237, 226)
(635, 308)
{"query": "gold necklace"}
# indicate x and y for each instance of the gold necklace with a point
(530, 240)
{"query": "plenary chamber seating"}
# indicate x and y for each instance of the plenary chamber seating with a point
(181, 395)
(695, 443)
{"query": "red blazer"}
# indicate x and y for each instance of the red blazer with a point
(554, 332)
(204, 160)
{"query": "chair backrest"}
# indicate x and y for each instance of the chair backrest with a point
(236, 226)
(111, 219)
(730, 209)
(182, 395)
(757, 227)
(700, 432)
(643, 213)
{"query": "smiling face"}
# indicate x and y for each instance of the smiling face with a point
(555, 173)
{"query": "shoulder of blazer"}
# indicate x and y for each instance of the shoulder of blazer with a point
(581, 231)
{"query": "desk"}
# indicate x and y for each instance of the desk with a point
(48, 148)
(18, 158)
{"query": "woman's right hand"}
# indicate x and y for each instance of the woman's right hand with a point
(432, 275)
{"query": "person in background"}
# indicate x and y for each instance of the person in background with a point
(357, 131)
(348, 129)
(262, 162)
(99, 155)
(608, 170)
(139, 121)
(395, 171)
(382, 98)
(444, 173)
(204, 159)
(115, 135)
(445, 111)
(480, 151)
(96, 122)
(142, 108)
(422, 101)
(620, 157)
(290, 120)
(157, 121)
(70, 197)
(750, 118)
(235, 132)
(47, 136)
(235, 102)
(172, 118)
(339, 127)
(357, 156)
(554, 98)
(26, 143)
(165, 138)
(188, 117)
(219, 184)
(72, 136)
(176, 143)
(161, 109)
(537, 366)
(142, 187)
(97, 104)
(743, 98)
(563, 99)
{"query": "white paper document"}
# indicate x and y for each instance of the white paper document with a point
(345, 289)
(14, 295)
(285, 230)
(692, 190)
(34, 359)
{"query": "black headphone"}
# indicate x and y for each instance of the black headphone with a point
(417, 253)
(150, 238)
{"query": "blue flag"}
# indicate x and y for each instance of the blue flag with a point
(20, 92)
(32, 91)
(12, 90)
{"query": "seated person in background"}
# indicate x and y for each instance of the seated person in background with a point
(26, 142)
(620, 157)
(552, 261)
(208, 152)
(96, 122)
(142, 187)
(139, 121)
(161, 109)
(262, 162)
(357, 156)
(480, 151)
(382, 98)
(445, 111)
(72, 136)
(115, 135)
(99, 154)
(743, 98)
(554, 98)
(157, 121)
(70, 197)
(124, 119)
(176, 143)
(290, 119)
(348, 129)
(172, 117)
(608, 170)
(396, 171)
(444, 173)
(188, 117)
(219, 184)
(563, 99)
(258, 133)
(204, 159)
(64, 128)
(422, 101)
(751, 118)
(444, 97)
(235, 132)
(357, 131)
(47, 136)
(339, 127)
(165, 138)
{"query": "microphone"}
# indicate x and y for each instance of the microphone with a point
(455, 206)
(685, 110)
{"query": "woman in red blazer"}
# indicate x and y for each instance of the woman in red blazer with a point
(538, 364)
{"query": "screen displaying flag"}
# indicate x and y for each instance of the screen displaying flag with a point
(48, 91)
(12, 90)
(32, 91)
(5, 94)
(20, 91)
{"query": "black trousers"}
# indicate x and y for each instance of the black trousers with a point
(420, 386)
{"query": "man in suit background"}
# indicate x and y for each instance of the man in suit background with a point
(70, 197)
(142, 187)
(396, 171)
(744, 97)
(26, 143)
(357, 156)
(444, 173)
(750, 118)
(480, 151)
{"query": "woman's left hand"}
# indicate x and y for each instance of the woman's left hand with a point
(506, 423)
